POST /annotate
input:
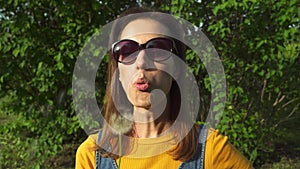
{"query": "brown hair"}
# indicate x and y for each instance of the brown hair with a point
(187, 147)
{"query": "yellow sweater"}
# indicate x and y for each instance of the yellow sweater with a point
(218, 154)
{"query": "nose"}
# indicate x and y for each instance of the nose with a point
(143, 61)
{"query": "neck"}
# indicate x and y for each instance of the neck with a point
(150, 123)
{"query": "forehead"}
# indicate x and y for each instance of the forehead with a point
(141, 27)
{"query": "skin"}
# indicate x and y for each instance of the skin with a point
(151, 106)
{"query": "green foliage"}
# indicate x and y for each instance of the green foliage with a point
(284, 163)
(39, 44)
(258, 43)
(261, 71)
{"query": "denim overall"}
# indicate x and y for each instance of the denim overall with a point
(197, 162)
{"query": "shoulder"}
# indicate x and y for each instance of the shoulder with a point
(214, 136)
(86, 153)
(221, 154)
(88, 143)
(88, 146)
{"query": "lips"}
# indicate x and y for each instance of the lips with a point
(141, 84)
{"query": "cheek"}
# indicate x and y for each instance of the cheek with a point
(164, 82)
(124, 78)
(169, 66)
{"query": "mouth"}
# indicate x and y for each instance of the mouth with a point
(141, 84)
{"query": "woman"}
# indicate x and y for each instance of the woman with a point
(144, 68)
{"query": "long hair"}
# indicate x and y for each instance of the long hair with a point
(187, 147)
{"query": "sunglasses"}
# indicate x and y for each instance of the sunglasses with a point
(126, 51)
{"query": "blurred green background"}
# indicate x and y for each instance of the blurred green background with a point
(257, 41)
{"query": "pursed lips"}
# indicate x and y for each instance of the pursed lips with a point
(141, 84)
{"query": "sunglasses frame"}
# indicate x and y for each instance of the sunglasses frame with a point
(142, 47)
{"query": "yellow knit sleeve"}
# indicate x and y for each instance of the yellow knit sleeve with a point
(219, 153)
(85, 155)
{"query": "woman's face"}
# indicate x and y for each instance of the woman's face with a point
(141, 77)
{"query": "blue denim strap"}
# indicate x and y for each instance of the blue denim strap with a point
(197, 162)
(104, 163)
(98, 159)
(202, 140)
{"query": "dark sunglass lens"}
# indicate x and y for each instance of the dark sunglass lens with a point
(159, 49)
(124, 50)
(160, 43)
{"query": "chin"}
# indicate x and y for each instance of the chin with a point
(143, 104)
(140, 99)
